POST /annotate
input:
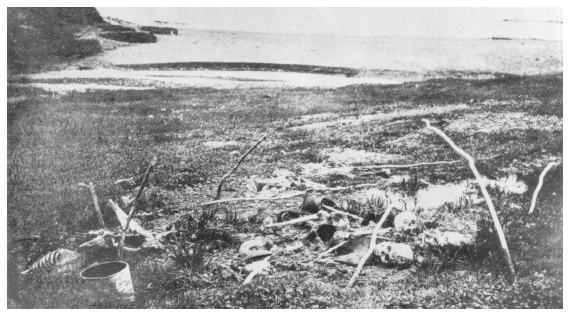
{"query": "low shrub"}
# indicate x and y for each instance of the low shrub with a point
(130, 37)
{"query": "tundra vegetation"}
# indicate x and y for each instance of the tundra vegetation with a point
(56, 141)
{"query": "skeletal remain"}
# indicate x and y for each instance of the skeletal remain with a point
(446, 239)
(259, 267)
(321, 216)
(266, 222)
(406, 223)
(339, 221)
(332, 209)
(250, 246)
(394, 254)
(64, 260)
(61, 260)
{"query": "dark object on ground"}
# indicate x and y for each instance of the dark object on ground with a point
(130, 37)
(287, 216)
(116, 28)
(160, 30)
(326, 232)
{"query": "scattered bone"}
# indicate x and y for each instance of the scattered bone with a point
(259, 267)
(249, 246)
(321, 215)
(394, 254)
(447, 239)
(58, 261)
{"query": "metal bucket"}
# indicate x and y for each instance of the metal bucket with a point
(109, 281)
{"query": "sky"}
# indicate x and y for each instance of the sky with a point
(425, 22)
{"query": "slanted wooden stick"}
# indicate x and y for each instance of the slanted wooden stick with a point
(486, 195)
(540, 180)
(227, 175)
(96, 202)
(134, 206)
(372, 245)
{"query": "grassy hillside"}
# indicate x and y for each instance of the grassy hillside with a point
(39, 36)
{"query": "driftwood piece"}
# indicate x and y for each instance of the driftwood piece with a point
(96, 202)
(372, 246)
(486, 195)
(134, 206)
(539, 186)
(227, 175)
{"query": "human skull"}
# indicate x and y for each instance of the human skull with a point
(394, 254)
(406, 223)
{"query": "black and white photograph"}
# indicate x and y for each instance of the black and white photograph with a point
(300, 157)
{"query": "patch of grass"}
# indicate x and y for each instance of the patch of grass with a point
(102, 136)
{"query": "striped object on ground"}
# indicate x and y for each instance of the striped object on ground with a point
(60, 260)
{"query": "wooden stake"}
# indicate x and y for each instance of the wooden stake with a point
(540, 180)
(134, 205)
(96, 202)
(486, 195)
(227, 175)
(372, 245)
